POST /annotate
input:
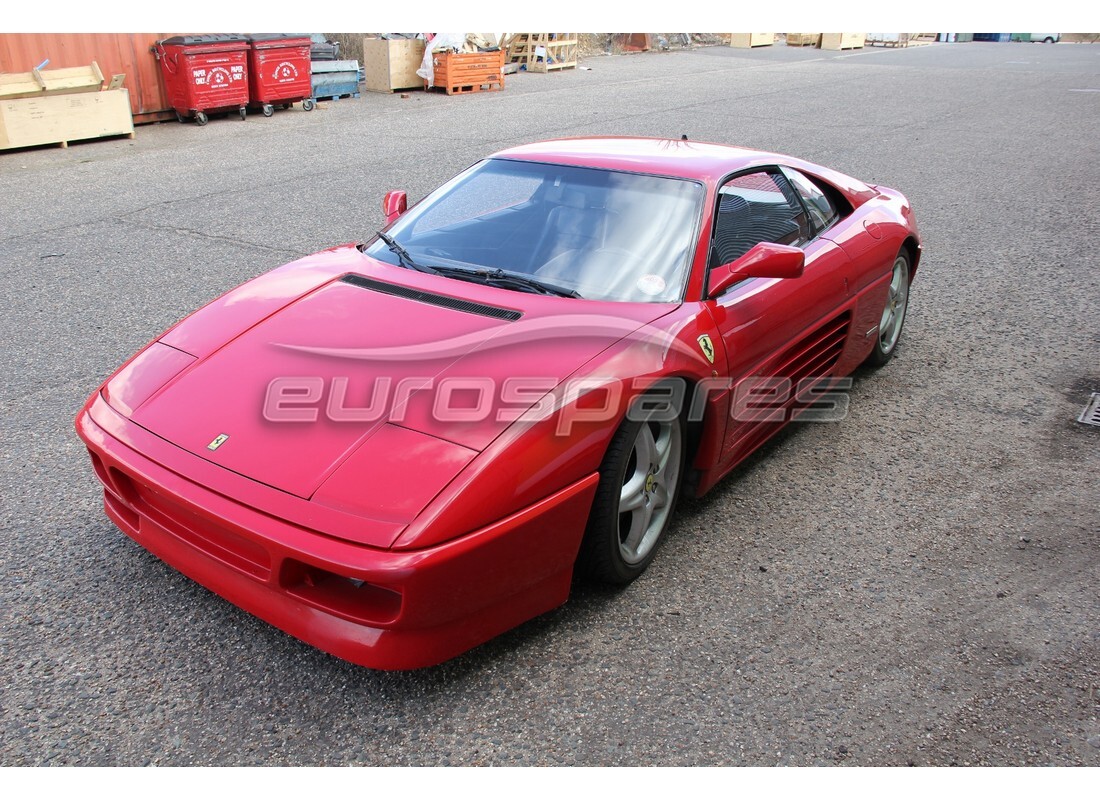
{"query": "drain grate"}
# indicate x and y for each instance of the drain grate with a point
(1091, 414)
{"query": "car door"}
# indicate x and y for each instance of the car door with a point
(779, 334)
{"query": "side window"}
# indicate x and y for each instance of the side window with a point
(753, 208)
(822, 211)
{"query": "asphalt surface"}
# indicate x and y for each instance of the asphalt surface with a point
(917, 584)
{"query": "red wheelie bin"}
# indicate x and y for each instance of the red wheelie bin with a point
(279, 71)
(204, 73)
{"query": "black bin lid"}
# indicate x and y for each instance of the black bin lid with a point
(206, 38)
(274, 37)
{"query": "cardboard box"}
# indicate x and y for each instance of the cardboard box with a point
(390, 64)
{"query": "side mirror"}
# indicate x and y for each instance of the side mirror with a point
(394, 204)
(765, 260)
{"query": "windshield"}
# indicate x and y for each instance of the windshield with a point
(606, 235)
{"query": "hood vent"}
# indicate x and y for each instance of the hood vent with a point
(442, 300)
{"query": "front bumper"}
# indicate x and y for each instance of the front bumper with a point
(378, 608)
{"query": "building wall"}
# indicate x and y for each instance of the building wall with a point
(126, 53)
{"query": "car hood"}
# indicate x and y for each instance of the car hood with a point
(297, 394)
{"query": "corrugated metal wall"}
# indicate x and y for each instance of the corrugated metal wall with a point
(127, 53)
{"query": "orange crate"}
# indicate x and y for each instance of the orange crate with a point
(463, 73)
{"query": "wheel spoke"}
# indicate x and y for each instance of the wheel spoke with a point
(639, 527)
(663, 447)
(646, 449)
(660, 496)
(633, 493)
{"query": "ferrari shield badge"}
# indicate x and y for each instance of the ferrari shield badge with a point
(221, 439)
(707, 347)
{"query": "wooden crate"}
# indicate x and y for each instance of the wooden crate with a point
(63, 118)
(842, 41)
(803, 39)
(543, 52)
(391, 64)
(465, 73)
(41, 83)
(751, 39)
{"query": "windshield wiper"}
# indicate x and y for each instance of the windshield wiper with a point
(404, 256)
(491, 277)
(507, 280)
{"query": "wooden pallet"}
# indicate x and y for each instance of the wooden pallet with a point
(543, 52)
(343, 96)
(887, 40)
(468, 73)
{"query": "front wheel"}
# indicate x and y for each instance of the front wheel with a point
(639, 484)
(893, 313)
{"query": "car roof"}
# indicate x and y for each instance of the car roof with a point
(674, 157)
(680, 158)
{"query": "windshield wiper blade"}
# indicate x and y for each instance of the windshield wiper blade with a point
(498, 277)
(404, 256)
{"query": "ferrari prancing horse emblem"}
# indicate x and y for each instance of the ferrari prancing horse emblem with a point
(707, 347)
(219, 440)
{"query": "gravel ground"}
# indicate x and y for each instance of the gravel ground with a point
(914, 585)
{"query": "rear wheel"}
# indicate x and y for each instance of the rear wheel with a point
(639, 484)
(893, 313)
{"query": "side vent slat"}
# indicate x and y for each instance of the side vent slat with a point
(442, 300)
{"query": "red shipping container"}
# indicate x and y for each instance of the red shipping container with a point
(279, 71)
(204, 73)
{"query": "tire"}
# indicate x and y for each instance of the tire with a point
(268, 109)
(893, 313)
(308, 104)
(180, 118)
(1048, 40)
(201, 118)
(244, 113)
(639, 483)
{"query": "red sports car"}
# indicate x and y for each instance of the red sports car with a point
(397, 450)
